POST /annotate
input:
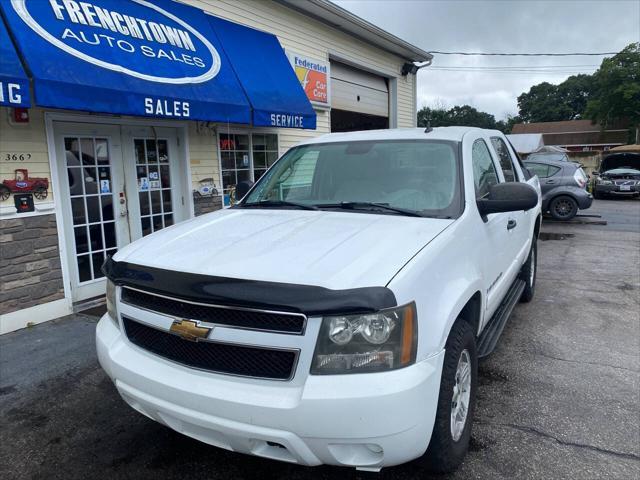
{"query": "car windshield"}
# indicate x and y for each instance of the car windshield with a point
(418, 177)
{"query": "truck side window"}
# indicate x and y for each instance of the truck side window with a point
(484, 171)
(506, 162)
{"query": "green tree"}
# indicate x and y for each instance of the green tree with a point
(546, 102)
(616, 89)
(464, 115)
(506, 125)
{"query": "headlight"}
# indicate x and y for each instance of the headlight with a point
(603, 181)
(373, 342)
(111, 302)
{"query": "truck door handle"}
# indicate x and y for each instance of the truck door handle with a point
(549, 182)
(511, 224)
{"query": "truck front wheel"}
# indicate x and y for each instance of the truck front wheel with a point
(529, 273)
(456, 401)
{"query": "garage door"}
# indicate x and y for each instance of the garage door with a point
(358, 91)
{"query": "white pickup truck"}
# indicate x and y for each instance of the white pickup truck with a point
(336, 314)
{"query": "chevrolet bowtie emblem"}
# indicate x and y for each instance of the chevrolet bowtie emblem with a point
(189, 330)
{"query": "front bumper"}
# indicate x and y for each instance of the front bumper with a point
(615, 190)
(366, 421)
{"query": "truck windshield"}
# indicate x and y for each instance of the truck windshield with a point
(417, 178)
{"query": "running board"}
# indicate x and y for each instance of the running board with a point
(492, 331)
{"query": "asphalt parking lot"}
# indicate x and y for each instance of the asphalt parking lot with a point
(559, 398)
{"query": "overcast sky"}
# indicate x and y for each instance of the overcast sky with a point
(501, 26)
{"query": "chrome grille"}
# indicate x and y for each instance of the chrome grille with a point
(280, 322)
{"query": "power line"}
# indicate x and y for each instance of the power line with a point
(510, 67)
(484, 54)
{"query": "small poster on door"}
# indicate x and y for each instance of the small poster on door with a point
(104, 186)
(154, 184)
(143, 184)
(245, 160)
(153, 176)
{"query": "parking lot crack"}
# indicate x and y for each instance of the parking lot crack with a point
(535, 431)
(560, 359)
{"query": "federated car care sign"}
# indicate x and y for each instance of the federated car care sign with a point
(161, 57)
(313, 76)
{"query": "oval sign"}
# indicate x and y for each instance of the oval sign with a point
(141, 40)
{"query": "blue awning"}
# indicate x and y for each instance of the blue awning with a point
(154, 58)
(14, 83)
(276, 96)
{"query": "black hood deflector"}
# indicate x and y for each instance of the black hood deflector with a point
(307, 299)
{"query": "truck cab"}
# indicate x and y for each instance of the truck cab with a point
(336, 314)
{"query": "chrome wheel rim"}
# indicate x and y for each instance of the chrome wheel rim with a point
(461, 395)
(532, 270)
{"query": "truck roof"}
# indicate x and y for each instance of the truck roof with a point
(439, 133)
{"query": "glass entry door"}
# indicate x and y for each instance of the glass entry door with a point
(90, 169)
(155, 179)
(117, 184)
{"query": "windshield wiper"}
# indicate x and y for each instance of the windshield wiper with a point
(370, 206)
(278, 203)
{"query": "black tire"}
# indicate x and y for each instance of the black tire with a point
(529, 273)
(563, 207)
(445, 454)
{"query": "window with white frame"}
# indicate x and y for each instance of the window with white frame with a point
(245, 156)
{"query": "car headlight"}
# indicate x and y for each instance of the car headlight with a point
(603, 181)
(372, 342)
(111, 302)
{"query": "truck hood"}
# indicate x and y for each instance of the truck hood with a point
(335, 250)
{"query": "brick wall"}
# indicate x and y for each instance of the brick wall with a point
(30, 272)
(202, 205)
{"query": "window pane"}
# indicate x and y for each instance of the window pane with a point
(272, 142)
(271, 158)
(506, 163)
(484, 171)
(151, 151)
(110, 235)
(163, 152)
(139, 147)
(88, 155)
(102, 151)
(144, 203)
(157, 222)
(93, 209)
(243, 175)
(168, 220)
(227, 160)
(90, 175)
(242, 160)
(98, 260)
(553, 170)
(166, 200)
(155, 202)
(77, 209)
(242, 142)
(84, 267)
(107, 207)
(146, 226)
(95, 232)
(258, 142)
(259, 159)
(164, 176)
(82, 242)
(228, 179)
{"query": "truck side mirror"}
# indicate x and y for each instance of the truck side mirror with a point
(242, 188)
(508, 197)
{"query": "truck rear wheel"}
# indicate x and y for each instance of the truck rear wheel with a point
(456, 402)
